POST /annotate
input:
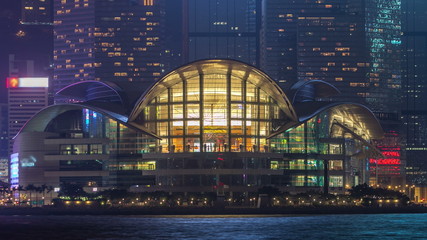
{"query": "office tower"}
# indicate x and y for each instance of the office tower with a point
(354, 45)
(414, 86)
(37, 12)
(26, 97)
(118, 41)
(222, 29)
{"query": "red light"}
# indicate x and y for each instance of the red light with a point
(391, 154)
(12, 82)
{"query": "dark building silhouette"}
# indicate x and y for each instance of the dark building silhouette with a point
(414, 86)
(222, 29)
(37, 12)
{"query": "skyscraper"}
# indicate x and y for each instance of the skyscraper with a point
(414, 86)
(118, 41)
(222, 29)
(26, 96)
(353, 44)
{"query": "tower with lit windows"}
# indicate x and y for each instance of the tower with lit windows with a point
(37, 12)
(26, 96)
(353, 44)
(117, 41)
(414, 97)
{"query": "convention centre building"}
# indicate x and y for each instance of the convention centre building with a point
(215, 125)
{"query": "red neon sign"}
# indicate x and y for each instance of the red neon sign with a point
(388, 161)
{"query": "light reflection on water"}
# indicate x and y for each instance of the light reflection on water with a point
(378, 226)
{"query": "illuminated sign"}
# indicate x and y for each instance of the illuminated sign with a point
(14, 170)
(14, 82)
(28, 162)
(391, 154)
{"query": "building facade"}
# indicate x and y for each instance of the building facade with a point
(414, 111)
(210, 126)
(354, 45)
(4, 143)
(222, 29)
(26, 96)
(4, 136)
(117, 41)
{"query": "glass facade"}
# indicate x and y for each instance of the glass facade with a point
(231, 110)
(223, 29)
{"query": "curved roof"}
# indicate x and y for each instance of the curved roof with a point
(93, 90)
(355, 115)
(217, 66)
(347, 112)
(40, 121)
(310, 90)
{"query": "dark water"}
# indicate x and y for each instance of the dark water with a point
(379, 226)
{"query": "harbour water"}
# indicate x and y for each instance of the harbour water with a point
(363, 226)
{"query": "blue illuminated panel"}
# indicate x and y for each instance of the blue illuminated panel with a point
(14, 170)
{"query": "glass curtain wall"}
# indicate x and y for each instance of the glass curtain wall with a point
(212, 113)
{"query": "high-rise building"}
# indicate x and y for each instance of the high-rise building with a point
(35, 32)
(118, 41)
(222, 29)
(26, 96)
(414, 86)
(37, 12)
(353, 44)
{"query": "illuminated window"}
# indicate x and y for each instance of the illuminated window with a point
(340, 49)
(335, 181)
(298, 180)
(327, 54)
